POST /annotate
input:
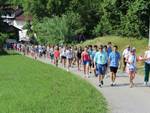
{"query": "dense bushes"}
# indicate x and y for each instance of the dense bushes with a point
(58, 29)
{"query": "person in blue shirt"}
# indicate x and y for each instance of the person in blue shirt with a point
(100, 60)
(114, 59)
(90, 50)
(95, 50)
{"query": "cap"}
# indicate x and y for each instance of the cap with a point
(133, 49)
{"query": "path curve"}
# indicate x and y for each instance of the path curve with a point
(121, 98)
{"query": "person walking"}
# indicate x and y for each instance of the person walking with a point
(69, 56)
(131, 66)
(63, 56)
(79, 52)
(147, 66)
(86, 60)
(95, 50)
(90, 51)
(56, 56)
(100, 63)
(125, 54)
(114, 59)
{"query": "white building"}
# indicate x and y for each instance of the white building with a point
(18, 21)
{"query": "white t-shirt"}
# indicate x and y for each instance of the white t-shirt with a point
(132, 59)
(147, 53)
(63, 52)
(69, 54)
(126, 53)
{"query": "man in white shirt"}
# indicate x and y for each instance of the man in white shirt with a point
(147, 66)
(125, 54)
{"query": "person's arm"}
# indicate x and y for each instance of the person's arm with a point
(109, 59)
(123, 54)
(82, 57)
(145, 56)
(120, 63)
(95, 58)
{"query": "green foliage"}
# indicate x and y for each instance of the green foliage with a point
(3, 36)
(91, 17)
(51, 30)
(58, 29)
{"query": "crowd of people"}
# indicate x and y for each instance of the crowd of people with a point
(99, 60)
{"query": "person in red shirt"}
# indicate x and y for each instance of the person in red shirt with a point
(86, 60)
(56, 56)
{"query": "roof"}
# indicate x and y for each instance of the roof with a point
(24, 18)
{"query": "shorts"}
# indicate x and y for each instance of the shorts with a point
(101, 69)
(52, 56)
(130, 69)
(63, 57)
(114, 69)
(86, 62)
(90, 63)
(69, 58)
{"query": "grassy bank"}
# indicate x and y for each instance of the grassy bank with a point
(28, 86)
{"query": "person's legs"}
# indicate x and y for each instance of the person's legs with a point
(78, 64)
(67, 64)
(146, 77)
(56, 62)
(70, 62)
(100, 80)
(111, 75)
(100, 74)
(130, 79)
(124, 64)
(114, 77)
(87, 69)
(84, 67)
(64, 62)
(132, 76)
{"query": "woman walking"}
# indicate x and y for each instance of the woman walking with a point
(79, 52)
(56, 56)
(69, 56)
(131, 66)
(86, 60)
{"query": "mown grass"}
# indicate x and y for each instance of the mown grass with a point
(28, 86)
(122, 42)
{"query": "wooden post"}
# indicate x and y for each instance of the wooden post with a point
(149, 31)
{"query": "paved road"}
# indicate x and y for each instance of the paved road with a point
(121, 98)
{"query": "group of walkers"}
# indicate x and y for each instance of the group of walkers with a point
(99, 60)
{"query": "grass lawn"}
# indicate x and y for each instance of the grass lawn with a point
(28, 86)
(122, 42)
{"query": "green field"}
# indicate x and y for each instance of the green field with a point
(28, 86)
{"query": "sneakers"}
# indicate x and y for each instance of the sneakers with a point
(112, 84)
(101, 83)
(145, 84)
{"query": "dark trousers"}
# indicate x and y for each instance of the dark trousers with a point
(147, 70)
